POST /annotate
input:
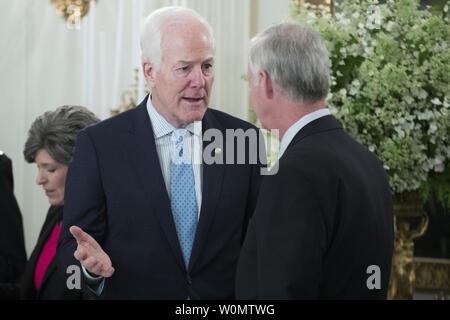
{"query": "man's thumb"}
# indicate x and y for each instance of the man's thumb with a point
(77, 233)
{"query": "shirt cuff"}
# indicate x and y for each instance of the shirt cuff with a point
(95, 283)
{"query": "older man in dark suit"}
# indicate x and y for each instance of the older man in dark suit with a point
(142, 216)
(323, 225)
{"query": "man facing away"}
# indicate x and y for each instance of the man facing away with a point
(323, 225)
(142, 217)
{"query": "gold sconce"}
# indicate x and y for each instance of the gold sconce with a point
(72, 10)
(129, 97)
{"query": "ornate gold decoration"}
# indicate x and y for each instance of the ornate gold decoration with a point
(129, 97)
(72, 9)
(403, 274)
(432, 273)
(408, 204)
(408, 272)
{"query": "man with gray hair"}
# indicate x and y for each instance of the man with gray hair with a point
(323, 226)
(143, 222)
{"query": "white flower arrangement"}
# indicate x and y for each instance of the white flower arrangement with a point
(390, 85)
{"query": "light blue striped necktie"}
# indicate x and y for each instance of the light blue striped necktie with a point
(182, 193)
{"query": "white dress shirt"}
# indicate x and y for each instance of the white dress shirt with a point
(296, 127)
(162, 131)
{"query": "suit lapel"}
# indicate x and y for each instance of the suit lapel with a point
(212, 188)
(141, 149)
(55, 215)
(48, 272)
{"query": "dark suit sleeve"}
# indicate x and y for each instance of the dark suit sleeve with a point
(255, 183)
(289, 235)
(12, 245)
(84, 203)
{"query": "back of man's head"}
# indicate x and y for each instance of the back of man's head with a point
(154, 26)
(295, 57)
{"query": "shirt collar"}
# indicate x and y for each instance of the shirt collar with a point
(296, 127)
(162, 127)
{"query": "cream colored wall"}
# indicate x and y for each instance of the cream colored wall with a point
(270, 12)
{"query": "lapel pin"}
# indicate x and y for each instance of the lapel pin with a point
(218, 150)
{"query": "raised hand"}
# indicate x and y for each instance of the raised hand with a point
(90, 254)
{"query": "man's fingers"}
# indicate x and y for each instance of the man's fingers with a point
(77, 233)
(95, 261)
(80, 254)
(82, 236)
(108, 272)
(96, 267)
(92, 265)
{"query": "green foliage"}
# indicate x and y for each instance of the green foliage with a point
(390, 85)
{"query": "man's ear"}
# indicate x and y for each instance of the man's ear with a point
(266, 82)
(149, 74)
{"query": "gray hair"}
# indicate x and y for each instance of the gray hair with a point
(56, 132)
(296, 58)
(155, 23)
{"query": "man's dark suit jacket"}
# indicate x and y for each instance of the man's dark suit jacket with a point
(115, 192)
(12, 246)
(320, 222)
